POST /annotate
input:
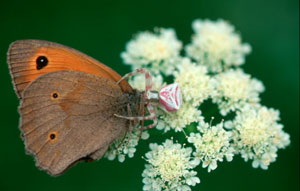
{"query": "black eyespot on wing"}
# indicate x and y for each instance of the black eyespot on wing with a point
(41, 62)
(55, 95)
(52, 136)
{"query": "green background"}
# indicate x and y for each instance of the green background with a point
(101, 29)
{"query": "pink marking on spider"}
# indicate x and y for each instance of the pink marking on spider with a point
(169, 98)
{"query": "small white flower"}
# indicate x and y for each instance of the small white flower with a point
(120, 151)
(170, 168)
(195, 84)
(257, 135)
(156, 51)
(217, 45)
(235, 89)
(180, 119)
(138, 82)
(212, 145)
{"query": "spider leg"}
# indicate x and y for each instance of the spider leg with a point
(153, 116)
(153, 124)
(148, 79)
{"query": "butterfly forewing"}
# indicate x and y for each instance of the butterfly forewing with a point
(28, 59)
(69, 115)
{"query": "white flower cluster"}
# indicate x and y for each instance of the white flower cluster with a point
(180, 119)
(156, 51)
(257, 135)
(235, 89)
(210, 70)
(138, 82)
(170, 168)
(119, 150)
(195, 84)
(217, 45)
(212, 144)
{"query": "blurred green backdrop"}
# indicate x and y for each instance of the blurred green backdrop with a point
(101, 29)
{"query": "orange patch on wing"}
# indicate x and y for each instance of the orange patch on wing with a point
(23, 66)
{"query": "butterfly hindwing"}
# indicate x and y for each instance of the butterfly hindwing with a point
(69, 115)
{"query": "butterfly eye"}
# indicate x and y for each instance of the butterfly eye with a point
(41, 62)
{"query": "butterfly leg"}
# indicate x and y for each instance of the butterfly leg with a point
(124, 137)
(148, 79)
(141, 112)
(139, 118)
(130, 125)
(129, 129)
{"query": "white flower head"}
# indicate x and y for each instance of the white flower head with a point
(138, 82)
(170, 168)
(180, 119)
(212, 145)
(217, 45)
(195, 84)
(257, 135)
(118, 150)
(156, 51)
(235, 89)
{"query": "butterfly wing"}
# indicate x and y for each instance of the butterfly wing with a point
(28, 59)
(69, 115)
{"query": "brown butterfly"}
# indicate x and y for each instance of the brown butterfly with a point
(73, 107)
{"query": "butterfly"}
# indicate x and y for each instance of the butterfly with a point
(72, 107)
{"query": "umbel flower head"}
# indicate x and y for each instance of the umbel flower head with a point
(257, 135)
(156, 51)
(217, 45)
(235, 89)
(212, 144)
(180, 119)
(170, 168)
(195, 84)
